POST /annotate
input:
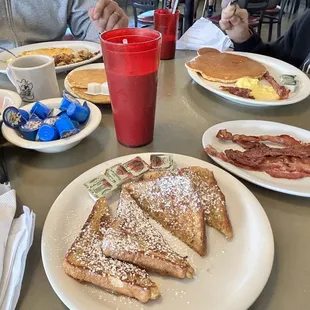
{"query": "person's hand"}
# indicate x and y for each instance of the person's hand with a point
(235, 22)
(107, 15)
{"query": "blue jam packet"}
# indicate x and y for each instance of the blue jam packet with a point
(47, 133)
(79, 113)
(67, 99)
(65, 127)
(13, 117)
(30, 129)
(40, 110)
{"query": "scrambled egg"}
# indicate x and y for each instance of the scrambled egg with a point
(258, 91)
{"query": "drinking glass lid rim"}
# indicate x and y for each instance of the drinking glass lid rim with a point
(108, 41)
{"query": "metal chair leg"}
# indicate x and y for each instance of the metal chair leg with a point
(270, 30)
(279, 30)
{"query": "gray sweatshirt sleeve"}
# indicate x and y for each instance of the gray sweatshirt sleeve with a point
(79, 21)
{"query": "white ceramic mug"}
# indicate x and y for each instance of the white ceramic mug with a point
(34, 77)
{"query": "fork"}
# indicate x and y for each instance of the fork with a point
(8, 51)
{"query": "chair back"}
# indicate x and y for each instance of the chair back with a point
(256, 6)
(145, 5)
(140, 6)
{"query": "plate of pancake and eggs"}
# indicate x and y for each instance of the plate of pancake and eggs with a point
(248, 79)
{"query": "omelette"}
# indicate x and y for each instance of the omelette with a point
(51, 51)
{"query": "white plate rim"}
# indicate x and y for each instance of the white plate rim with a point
(242, 173)
(251, 102)
(247, 300)
(92, 46)
(93, 123)
(86, 67)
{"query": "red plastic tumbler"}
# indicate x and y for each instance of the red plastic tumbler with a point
(131, 58)
(167, 24)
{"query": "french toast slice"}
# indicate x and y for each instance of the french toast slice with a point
(132, 238)
(212, 198)
(85, 261)
(172, 201)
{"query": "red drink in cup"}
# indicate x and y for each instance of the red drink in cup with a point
(131, 57)
(167, 24)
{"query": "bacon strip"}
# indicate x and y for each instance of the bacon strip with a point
(286, 140)
(287, 167)
(291, 161)
(237, 91)
(282, 91)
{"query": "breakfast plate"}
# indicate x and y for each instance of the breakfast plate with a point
(55, 146)
(86, 67)
(74, 45)
(227, 277)
(298, 187)
(8, 98)
(276, 68)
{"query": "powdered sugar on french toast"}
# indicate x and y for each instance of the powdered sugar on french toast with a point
(88, 253)
(135, 233)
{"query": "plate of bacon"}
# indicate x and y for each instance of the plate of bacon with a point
(273, 155)
(249, 79)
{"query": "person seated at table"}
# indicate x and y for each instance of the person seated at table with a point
(32, 21)
(293, 47)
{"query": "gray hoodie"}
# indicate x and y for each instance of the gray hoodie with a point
(30, 21)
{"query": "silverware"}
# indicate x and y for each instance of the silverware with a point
(5, 49)
(8, 51)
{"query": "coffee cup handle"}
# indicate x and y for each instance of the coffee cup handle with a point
(9, 73)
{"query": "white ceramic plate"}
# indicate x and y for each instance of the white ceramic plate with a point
(276, 68)
(300, 187)
(58, 145)
(8, 98)
(227, 278)
(86, 67)
(75, 45)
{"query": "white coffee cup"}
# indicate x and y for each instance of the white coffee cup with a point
(34, 77)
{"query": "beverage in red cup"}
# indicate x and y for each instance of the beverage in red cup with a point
(167, 24)
(131, 58)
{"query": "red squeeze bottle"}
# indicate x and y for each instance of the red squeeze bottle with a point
(167, 24)
(131, 70)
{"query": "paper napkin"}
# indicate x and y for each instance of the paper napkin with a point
(203, 34)
(16, 236)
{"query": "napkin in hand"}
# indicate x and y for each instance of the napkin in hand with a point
(16, 236)
(203, 34)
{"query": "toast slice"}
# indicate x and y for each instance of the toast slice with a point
(85, 261)
(212, 198)
(172, 201)
(132, 238)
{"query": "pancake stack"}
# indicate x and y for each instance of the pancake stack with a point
(79, 80)
(225, 67)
